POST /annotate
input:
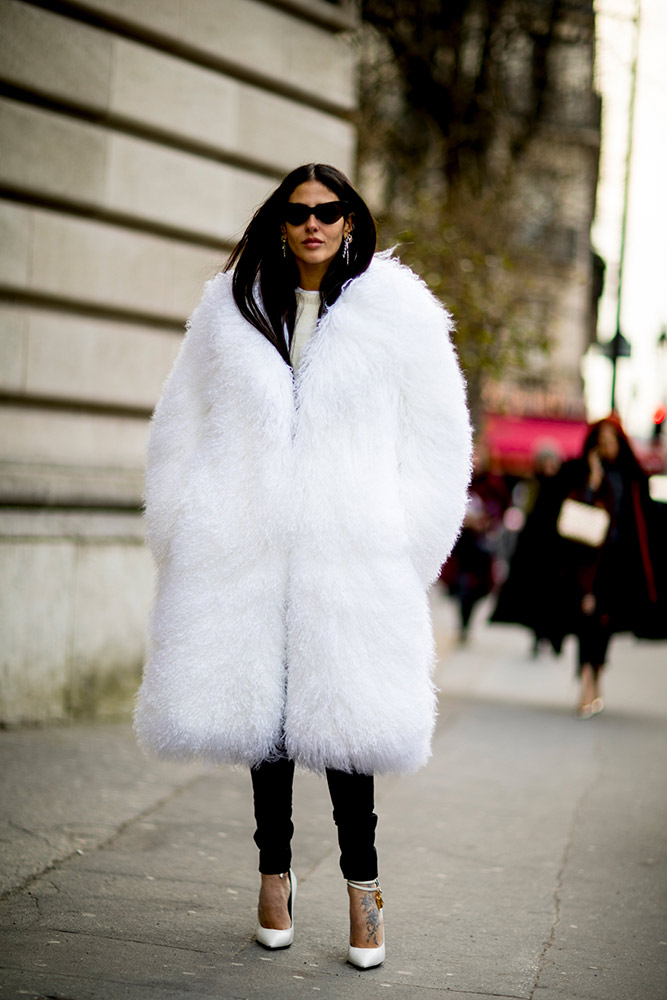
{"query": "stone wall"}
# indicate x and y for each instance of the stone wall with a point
(136, 139)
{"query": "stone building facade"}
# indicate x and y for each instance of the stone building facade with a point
(136, 139)
(494, 174)
(555, 189)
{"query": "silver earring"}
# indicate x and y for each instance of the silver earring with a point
(284, 242)
(346, 248)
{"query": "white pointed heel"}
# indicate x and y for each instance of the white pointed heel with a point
(367, 958)
(269, 936)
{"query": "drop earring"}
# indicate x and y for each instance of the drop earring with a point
(346, 248)
(284, 242)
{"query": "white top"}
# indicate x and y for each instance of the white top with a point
(307, 309)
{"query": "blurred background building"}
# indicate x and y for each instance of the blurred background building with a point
(493, 199)
(136, 139)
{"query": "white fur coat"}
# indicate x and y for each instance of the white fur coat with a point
(296, 523)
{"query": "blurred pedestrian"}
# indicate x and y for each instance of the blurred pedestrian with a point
(547, 460)
(307, 474)
(595, 586)
(612, 584)
(469, 574)
(527, 592)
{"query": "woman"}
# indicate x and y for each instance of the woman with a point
(307, 475)
(615, 583)
(591, 591)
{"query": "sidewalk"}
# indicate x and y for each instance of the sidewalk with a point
(527, 860)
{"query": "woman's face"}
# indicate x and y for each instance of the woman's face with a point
(607, 443)
(314, 243)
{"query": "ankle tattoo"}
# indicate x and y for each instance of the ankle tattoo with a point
(371, 918)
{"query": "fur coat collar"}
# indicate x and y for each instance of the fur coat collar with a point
(296, 523)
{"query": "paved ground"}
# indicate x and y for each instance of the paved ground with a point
(526, 861)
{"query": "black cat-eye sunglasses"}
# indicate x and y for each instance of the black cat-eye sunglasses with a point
(328, 212)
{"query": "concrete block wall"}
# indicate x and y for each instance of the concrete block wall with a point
(136, 139)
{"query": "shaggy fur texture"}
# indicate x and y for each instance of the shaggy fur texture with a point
(297, 524)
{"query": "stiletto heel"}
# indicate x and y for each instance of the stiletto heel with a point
(269, 936)
(367, 958)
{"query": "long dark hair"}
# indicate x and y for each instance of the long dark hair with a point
(260, 267)
(627, 461)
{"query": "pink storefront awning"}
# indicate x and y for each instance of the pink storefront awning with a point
(513, 441)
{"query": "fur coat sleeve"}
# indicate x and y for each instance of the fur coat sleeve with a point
(434, 436)
(172, 443)
(296, 522)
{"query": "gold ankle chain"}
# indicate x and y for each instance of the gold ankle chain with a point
(372, 886)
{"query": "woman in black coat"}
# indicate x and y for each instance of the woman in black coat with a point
(568, 587)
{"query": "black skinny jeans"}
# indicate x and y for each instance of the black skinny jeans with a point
(594, 636)
(352, 797)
